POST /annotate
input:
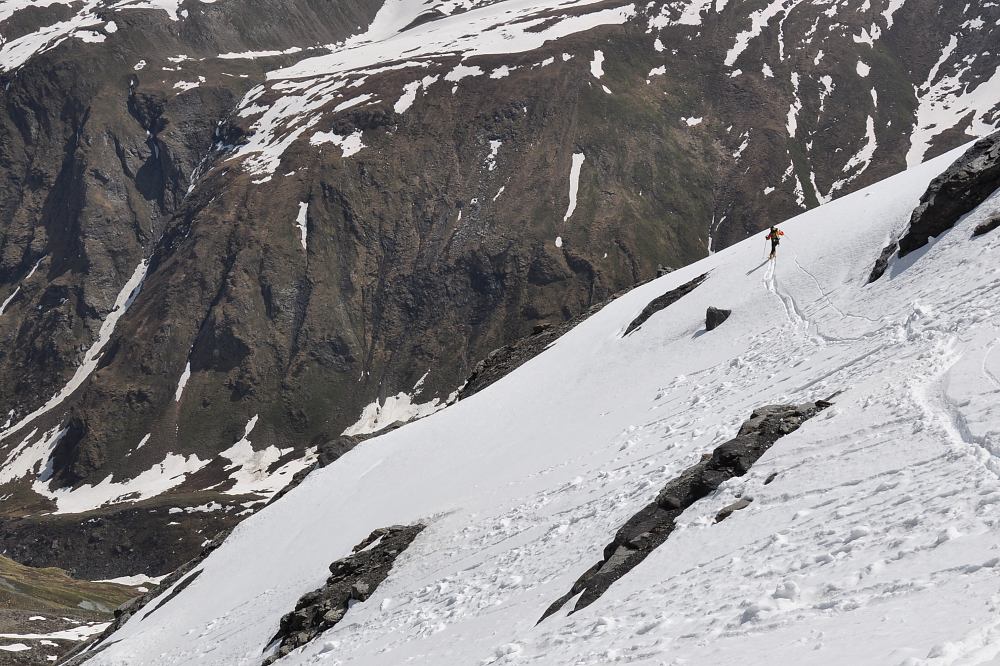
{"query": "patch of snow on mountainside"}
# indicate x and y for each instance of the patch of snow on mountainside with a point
(27, 456)
(395, 408)
(597, 65)
(10, 7)
(16, 52)
(509, 26)
(574, 183)
(871, 537)
(252, 470)
(302, 224)
(78, 633)
(758, 21)
(349, 144)
(182, 381)
(132, 581)
(169, 473)
(948, 98)
(7, 301)
(860, 161)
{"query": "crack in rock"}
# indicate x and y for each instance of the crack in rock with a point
(651, 525)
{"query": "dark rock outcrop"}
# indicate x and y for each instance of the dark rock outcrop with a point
(987, 226)
(664, 301)
(882, 263)
(354, 579)
(651, 526)
(714, 318)
(964, 185)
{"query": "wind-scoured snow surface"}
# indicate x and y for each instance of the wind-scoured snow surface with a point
(876, 543)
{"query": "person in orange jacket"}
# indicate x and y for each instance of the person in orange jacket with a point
(775, 237)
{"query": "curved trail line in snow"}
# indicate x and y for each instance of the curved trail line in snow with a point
(794, 313)
(827, 298)
(932, 398)
(989, 374)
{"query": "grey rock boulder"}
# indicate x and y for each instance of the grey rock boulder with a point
(715, 318)
(730, 509)
(987, 226)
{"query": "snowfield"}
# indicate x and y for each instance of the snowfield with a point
(876, 542)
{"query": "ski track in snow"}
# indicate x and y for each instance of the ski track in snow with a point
(875, 543)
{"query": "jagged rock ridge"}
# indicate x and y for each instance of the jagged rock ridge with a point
(353, 580)
(650, 527)
(965, 185)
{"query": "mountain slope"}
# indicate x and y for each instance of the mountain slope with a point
(44, 613)
(870, 537)
(232, 231)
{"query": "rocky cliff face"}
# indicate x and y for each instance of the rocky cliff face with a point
(227, 235)
(961, 188)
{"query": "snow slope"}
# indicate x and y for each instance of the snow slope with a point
(877, 542)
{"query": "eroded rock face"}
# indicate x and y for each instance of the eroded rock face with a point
(353, 579)
(650, 527)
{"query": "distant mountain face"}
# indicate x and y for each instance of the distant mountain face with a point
(232, 231)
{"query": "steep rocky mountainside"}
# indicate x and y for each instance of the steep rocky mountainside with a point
(232, 231)
(852, 519)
